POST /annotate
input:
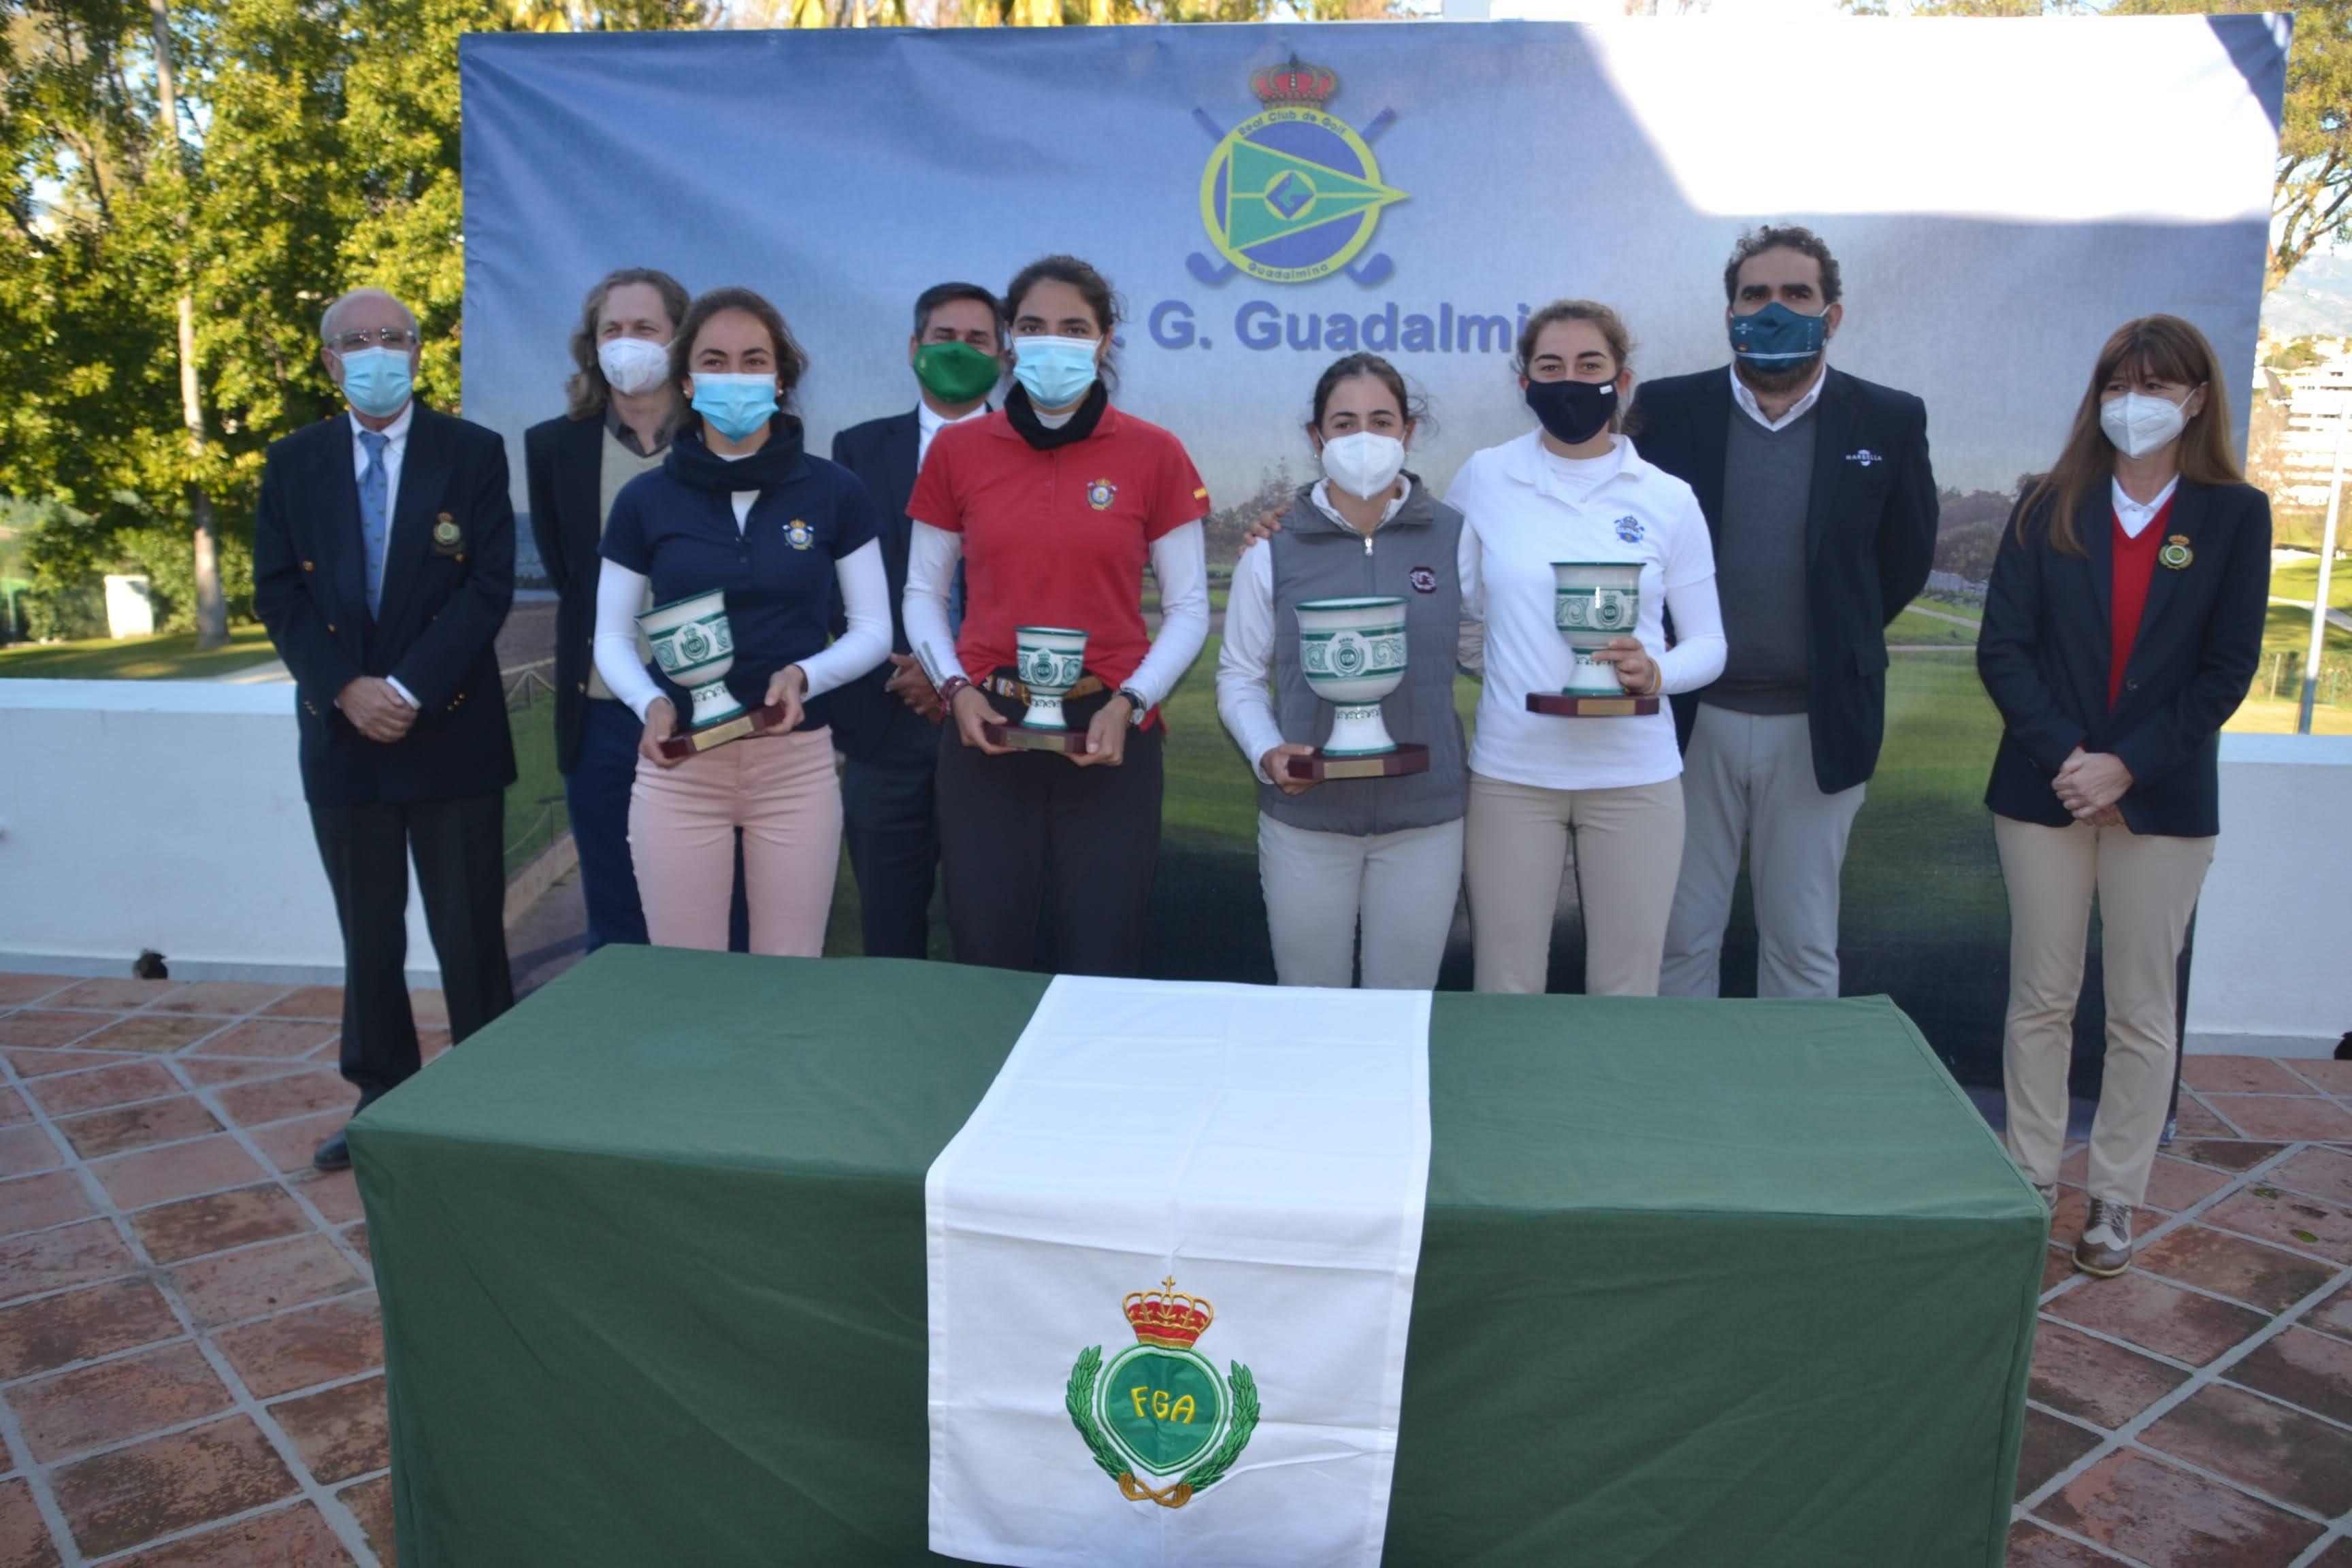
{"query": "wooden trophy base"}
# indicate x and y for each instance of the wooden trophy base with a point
(1569, 705)
(1405, 759)
(1021, 738)
(758, 721)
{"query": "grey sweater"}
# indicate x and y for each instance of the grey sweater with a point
(1412, 555)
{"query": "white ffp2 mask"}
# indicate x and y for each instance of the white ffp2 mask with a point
(2140, 424)
(632, 366)
(1363, 463)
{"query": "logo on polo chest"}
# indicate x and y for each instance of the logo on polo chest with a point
(799, 534)
(1629, 529)
(1160, 1408)
(1100, 494)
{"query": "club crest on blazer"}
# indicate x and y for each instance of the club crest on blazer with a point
(2176, 552)
(448, 538)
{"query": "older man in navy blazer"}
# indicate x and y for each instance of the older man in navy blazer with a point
(1817, 490)
(886, 724)
(382, 565)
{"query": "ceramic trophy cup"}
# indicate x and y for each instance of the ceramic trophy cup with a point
(1049, 661)
(1351, 652)
(695, 646)
(1592, 603)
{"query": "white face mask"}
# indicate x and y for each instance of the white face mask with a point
(1363, 463)
(633, 364)
(2138, 423)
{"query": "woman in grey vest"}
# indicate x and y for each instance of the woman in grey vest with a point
(1384, 854)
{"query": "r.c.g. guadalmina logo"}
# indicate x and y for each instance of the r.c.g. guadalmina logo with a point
(1291, 194)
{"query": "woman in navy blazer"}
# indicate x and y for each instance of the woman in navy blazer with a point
(2122, 627)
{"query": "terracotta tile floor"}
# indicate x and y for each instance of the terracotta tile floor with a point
(190, 1359)
(2197, 1412)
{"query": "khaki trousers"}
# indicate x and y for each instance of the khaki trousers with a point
(2146, 888)
(782, 792)
(1628, 843)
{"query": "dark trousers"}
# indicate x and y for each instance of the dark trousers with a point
(893, 834)
(1033, 834)
(596, 793)
(459, 846)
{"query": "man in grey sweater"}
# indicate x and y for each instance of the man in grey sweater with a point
(1817, 488)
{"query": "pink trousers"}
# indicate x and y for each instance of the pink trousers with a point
(782, 792)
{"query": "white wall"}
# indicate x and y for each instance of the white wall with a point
(2272, 973)
(164, 815)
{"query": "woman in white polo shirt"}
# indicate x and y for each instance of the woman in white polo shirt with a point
(1575, 490)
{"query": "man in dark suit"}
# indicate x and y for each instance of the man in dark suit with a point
(621, 408)
(382, 565)
(1819, 495)
(887, 724)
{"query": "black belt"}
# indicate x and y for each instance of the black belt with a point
(1005, 685)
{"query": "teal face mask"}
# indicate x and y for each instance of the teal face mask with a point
(1056, 371)
(735, 406)
(376, 381)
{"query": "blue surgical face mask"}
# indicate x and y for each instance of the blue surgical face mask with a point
(735, 406)
(1055, 371)
(376, 381)
(1778, 338)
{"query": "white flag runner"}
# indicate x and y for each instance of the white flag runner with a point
(1172, 1260)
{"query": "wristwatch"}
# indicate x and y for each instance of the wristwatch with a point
(1135, 704)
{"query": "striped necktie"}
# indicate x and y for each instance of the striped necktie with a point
(374, 525)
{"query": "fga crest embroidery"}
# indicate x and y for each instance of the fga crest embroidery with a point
(1629, 529)
(1100, 494)
(799, 534)
(1424, 580)
(1160, 1407)
(2176, 552)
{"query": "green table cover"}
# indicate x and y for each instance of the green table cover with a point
(1703, 1284)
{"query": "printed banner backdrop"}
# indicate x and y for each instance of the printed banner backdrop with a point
(1416, 188)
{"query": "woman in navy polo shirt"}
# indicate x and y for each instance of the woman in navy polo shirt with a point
(1055, 505)
(2121, 625)
(738, 505)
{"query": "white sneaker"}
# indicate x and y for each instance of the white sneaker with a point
(2105, 1249)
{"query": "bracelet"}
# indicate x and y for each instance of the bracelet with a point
(950, 686)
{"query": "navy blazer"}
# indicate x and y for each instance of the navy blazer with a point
(2046, 651)
(563, 479)
(1870, 538)
(444, 600)
(870, 724)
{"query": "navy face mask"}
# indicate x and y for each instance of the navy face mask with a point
(1778, 338)
(1573, 411)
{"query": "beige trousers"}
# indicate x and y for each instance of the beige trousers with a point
(2146, 888)
(782, 792)
(1628, 844)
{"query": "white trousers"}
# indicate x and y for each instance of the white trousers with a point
(2146, 888)
(1398, 888)
(1751, 776)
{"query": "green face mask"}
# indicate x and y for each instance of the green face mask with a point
(956, 372)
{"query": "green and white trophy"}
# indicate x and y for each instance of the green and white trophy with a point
(1594, 602)
(695, 646)
(1351, 652)
(1048, 660)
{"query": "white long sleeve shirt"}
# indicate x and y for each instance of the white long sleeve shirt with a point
(1526, 507)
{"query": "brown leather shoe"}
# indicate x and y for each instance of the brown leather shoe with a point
(2105, 1249)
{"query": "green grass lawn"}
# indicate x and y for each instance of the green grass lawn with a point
(534, 804)
(172, 656)
(1912, 629)
(2300, 580)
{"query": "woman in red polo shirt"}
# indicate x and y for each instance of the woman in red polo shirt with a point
(1055, 505)
(2122, 624)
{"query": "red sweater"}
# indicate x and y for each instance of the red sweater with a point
(2135, 568)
